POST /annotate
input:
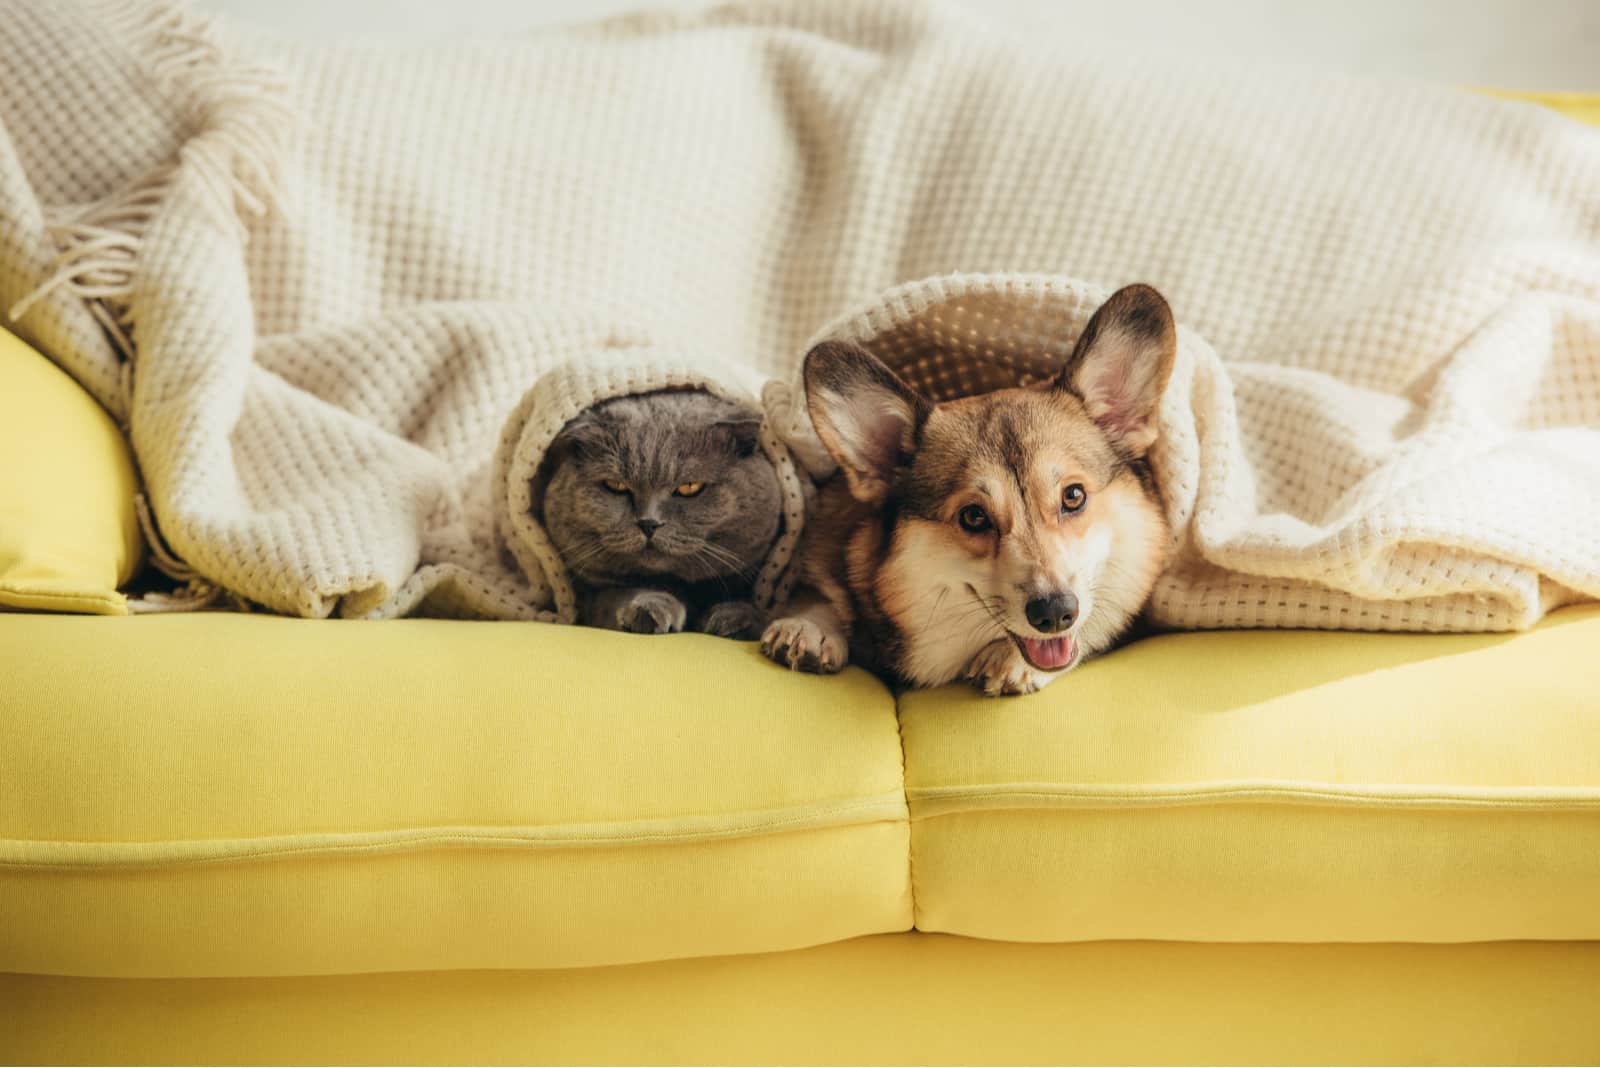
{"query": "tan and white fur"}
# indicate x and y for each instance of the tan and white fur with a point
(1002, 538)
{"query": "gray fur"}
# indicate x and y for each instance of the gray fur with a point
(698, 565)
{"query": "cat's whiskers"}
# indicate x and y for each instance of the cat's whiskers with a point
(721, 560)
(723, 580)
(717, 554)
(586, 552)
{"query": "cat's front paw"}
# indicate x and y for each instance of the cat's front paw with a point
(739, 620)
(999, 671)
(651, 612)
(802, 645)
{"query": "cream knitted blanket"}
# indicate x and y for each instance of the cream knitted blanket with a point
(317, 283)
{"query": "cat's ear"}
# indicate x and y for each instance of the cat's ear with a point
(744, 432)
(582, 436)
(866, 417)
(1121, 364)
(584, 433)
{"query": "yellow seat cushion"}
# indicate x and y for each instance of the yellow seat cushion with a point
(889, 999)
(1254, 786)
(214, 795)
(68, 533)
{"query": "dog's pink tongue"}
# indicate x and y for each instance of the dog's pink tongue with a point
(1050, 653)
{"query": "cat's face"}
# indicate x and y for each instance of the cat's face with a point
(669, 484)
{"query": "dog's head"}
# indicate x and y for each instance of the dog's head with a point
(1023, 513)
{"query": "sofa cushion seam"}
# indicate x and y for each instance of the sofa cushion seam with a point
(911, 836)
(950, 800)
(79, 855)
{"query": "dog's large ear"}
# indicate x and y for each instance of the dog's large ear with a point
(866, 417)
(1121, 364)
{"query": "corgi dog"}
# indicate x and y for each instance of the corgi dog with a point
(1001, 538)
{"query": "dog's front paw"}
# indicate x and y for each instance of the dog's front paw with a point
(739, 620)
(999, 671)
(802, 645)
(651, 612)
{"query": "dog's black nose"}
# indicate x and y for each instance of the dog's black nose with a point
(1053, 613)
(649, 526)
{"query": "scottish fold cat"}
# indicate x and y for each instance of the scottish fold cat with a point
(663, 507)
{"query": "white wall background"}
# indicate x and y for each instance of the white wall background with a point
(1524, 44)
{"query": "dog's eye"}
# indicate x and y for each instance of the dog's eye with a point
(1073, 498)
(614, 486)
(973, 519)
(688, 489)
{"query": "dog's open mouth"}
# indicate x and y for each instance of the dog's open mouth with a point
(1048, 654)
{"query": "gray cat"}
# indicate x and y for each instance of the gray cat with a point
(663, 507)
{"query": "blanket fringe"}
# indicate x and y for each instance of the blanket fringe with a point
(194, 596)
(236, 124)
(165, 560)
(242, 123)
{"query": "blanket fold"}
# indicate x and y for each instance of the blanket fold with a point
(342, 297)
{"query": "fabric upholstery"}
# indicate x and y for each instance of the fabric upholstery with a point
(244, 795)
(1271, 787)
(891, 999)
(240, 795)
(69, 536)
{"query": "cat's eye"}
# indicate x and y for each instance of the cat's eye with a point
(614, 486)
(973, 519)
(688, 489)
(1073, 498)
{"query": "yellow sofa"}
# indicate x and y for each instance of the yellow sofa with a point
(238, 838)
(248, 838)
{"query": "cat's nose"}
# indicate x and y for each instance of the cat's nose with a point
(649, 526)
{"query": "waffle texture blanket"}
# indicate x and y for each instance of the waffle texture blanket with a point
(342, 295)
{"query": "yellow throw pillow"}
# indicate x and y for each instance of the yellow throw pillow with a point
(1584, 107)
(69, 535)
